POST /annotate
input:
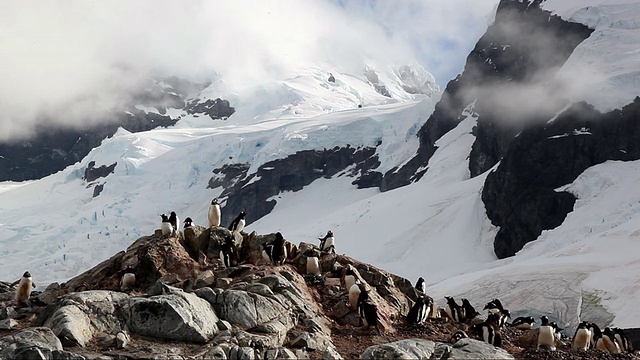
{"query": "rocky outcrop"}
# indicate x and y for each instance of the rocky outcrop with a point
(520, 195)
(92, 173)
(288, 174)
(506, 55)
(215, 109)
(425, 349)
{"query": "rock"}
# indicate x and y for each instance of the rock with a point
(51, 294)
(177, 316)
(79, 316)
(285, 353)
(217, 352)
(206, 278)
(206, 293)
(41, 338)
(330, 353)
(160, 288)
(403, 349)
(250, 309)
(246, 353)
(306, 341)
(468, 348)
(8, 324)
(8, 313)
(224, 325)
(223, 283)
(166, 257)
(192, 242)
(260, 289)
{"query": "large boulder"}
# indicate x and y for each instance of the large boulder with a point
(403, 349)
(19, 344)
(177, 316)
(79, 316)
(474, 349)
(424, 349)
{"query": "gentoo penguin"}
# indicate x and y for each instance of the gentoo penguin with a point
(504, 316)
(25, 286)
(369, 315)
(493, 306)
(460, 334)
(354, 294)
(364, 296)
(238, 223)
(166, 227)
(453, 309)
(328, 242)
(557, 331)
(228, 252)
(279, 253)
(608, 342)
(523, 323)
(488, 331)
(581, 337)
(419, 311)
(546, 334)
(175, 222)
(421, 286)
(128, 281)
(349, 278)
(214, 213)
(596, 334)
(187, 223)
(468, 311)
(623, 340)
(313, 266)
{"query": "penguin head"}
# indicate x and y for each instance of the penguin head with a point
(26, 274)
(188, 220)
(173, 213)
(530, 320)
(279, 238)
(506, 313)
(329, 233)
(164, 218)
(420, 280)
(544, 320)
(583, 325)
(242, 214)
(460, 334)
(214, 201)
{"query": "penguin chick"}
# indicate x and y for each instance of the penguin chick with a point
(25, 286)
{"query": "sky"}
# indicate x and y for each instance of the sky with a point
(64, 61)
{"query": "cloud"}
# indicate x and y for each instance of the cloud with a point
(64, 62)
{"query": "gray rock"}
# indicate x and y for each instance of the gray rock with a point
(160, 288)
(302, 354)
(206, 293)
(8, 324)
(260, 289)
(80, 316)
(206, 278)
(179, 316)
(248, 309)
(122, 340)
(468, 348)
(223, 283)
(217, 352)
(330, 353)
(39, 337)
(403, 349)
(305, 340)
(224, 325)
(8, 312)
(285, 353)
(246, 353)
(51, 294)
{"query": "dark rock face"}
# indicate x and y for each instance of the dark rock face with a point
(374, 80)
(51, 150)
(292, 173)
(519, 196)
(92, 173)
(507, 55)
(215, 109)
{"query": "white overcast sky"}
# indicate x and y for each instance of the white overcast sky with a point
(69, 58)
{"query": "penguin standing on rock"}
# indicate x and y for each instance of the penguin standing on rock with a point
(354, 295)
(468, 311)
(420, 310)
(25, 285)
(187, 223)
(421, 286)
(228, 252)
(523, 323)
(175, 222)
(608, 342)
(369, 315)
(581, 337)
(313, 266)
(596, 334)
(238, 223)
(453, 309)
(546, 334)
(623, 340)
(276, 251)
(328, 243)
(214, 213)
(166, 227)
(349, 278)
(489, 331)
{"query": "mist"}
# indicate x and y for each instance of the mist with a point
(62, 63)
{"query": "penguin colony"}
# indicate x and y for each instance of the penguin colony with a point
(587, 335)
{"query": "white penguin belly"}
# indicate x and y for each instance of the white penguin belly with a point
(354, 293)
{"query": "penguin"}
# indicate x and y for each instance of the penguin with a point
(493, 306)
(504, 315)
(468, 311)
(364, 296)
(557, 331)
(623, 340)
(460, 334)
(523, 323)
(581, 337)
(369, 315)
(354, 294)
(596, 334)
(166, 227)
(608, 342)
(279, 252)
(238, 223)
(328, 243)
(175, 222)
(128, 281)
(187, 223)
(228, 252)
(420, 310)
(349, 279)
(313, 266)
(546, 334)
(25, 286)
(489, 331)
(453, 309)
(214, 213)
(421, 286)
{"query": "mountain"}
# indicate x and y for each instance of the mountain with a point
(517, 181)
